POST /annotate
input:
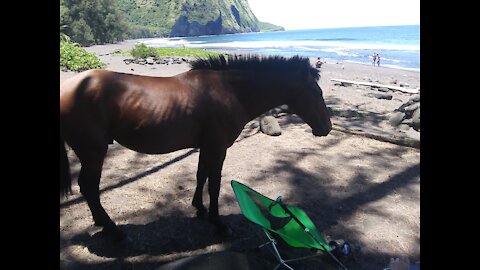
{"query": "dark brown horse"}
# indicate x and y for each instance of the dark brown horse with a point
(206, 107)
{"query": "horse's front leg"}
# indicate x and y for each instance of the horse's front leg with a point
(215, 164)
(202, 174)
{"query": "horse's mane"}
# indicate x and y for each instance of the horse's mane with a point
(255, 62)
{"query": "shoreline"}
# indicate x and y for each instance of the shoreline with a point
(229, 51)
(358, 68)
(130, 43)
(104, 52)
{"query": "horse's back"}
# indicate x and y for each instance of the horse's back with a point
(154, 114)
(146, 114)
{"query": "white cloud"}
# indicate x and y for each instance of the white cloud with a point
(307, 14)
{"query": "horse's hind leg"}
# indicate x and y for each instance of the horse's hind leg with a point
(89, 182)
(197, 201)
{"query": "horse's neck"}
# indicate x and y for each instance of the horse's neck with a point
(262, 94)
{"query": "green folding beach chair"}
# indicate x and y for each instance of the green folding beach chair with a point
(289, 223)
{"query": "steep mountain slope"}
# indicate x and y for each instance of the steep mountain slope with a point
(191, 17)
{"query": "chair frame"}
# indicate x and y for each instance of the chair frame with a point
(282, 261)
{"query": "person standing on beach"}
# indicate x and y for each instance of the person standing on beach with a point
(319, 63)
(378, 59)
(374, 56)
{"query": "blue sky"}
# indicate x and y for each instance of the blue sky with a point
(310, 14)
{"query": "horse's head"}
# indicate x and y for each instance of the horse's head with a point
(306, 100)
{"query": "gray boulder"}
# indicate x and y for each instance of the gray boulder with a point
(269, 125)
(410, 102)
(396, 118)
(410, 109)
(416, 120)
(383, 89)
(380, 95)
(414, 98)
(253, 124)
(277, 111)
(348, 113)
(407, 122)
(150, 60)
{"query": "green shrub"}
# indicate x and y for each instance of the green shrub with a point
(143, 51)
(75, 58)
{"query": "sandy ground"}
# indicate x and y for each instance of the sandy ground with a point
(353, 187)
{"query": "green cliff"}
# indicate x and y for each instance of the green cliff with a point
(171, 18)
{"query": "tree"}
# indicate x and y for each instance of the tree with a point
(82, 33)
(91, 22)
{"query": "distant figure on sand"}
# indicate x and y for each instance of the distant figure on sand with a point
(378, 59)
(319, 63)
(374, 56)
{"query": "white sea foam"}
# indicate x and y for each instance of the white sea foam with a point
(301, 44)
(390, 66)
(341, 51)
(400, 67)
(166, 42)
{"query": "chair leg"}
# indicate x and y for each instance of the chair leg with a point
(284, 262)
(267, 243)
(280, 259)
(277, 254)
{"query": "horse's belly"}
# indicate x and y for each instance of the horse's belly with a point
(158, 140)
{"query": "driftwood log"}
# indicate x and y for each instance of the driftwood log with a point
(398, 140)
(397, 88)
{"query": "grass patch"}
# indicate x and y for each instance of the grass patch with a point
(143, 51)
(186, 52)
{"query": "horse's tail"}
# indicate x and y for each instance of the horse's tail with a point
(65, 177)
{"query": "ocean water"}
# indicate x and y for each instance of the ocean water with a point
(398, 46)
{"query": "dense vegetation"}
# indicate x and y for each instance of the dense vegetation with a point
(74, 58)
(149, 18)
(190, 17)
(90, 22)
